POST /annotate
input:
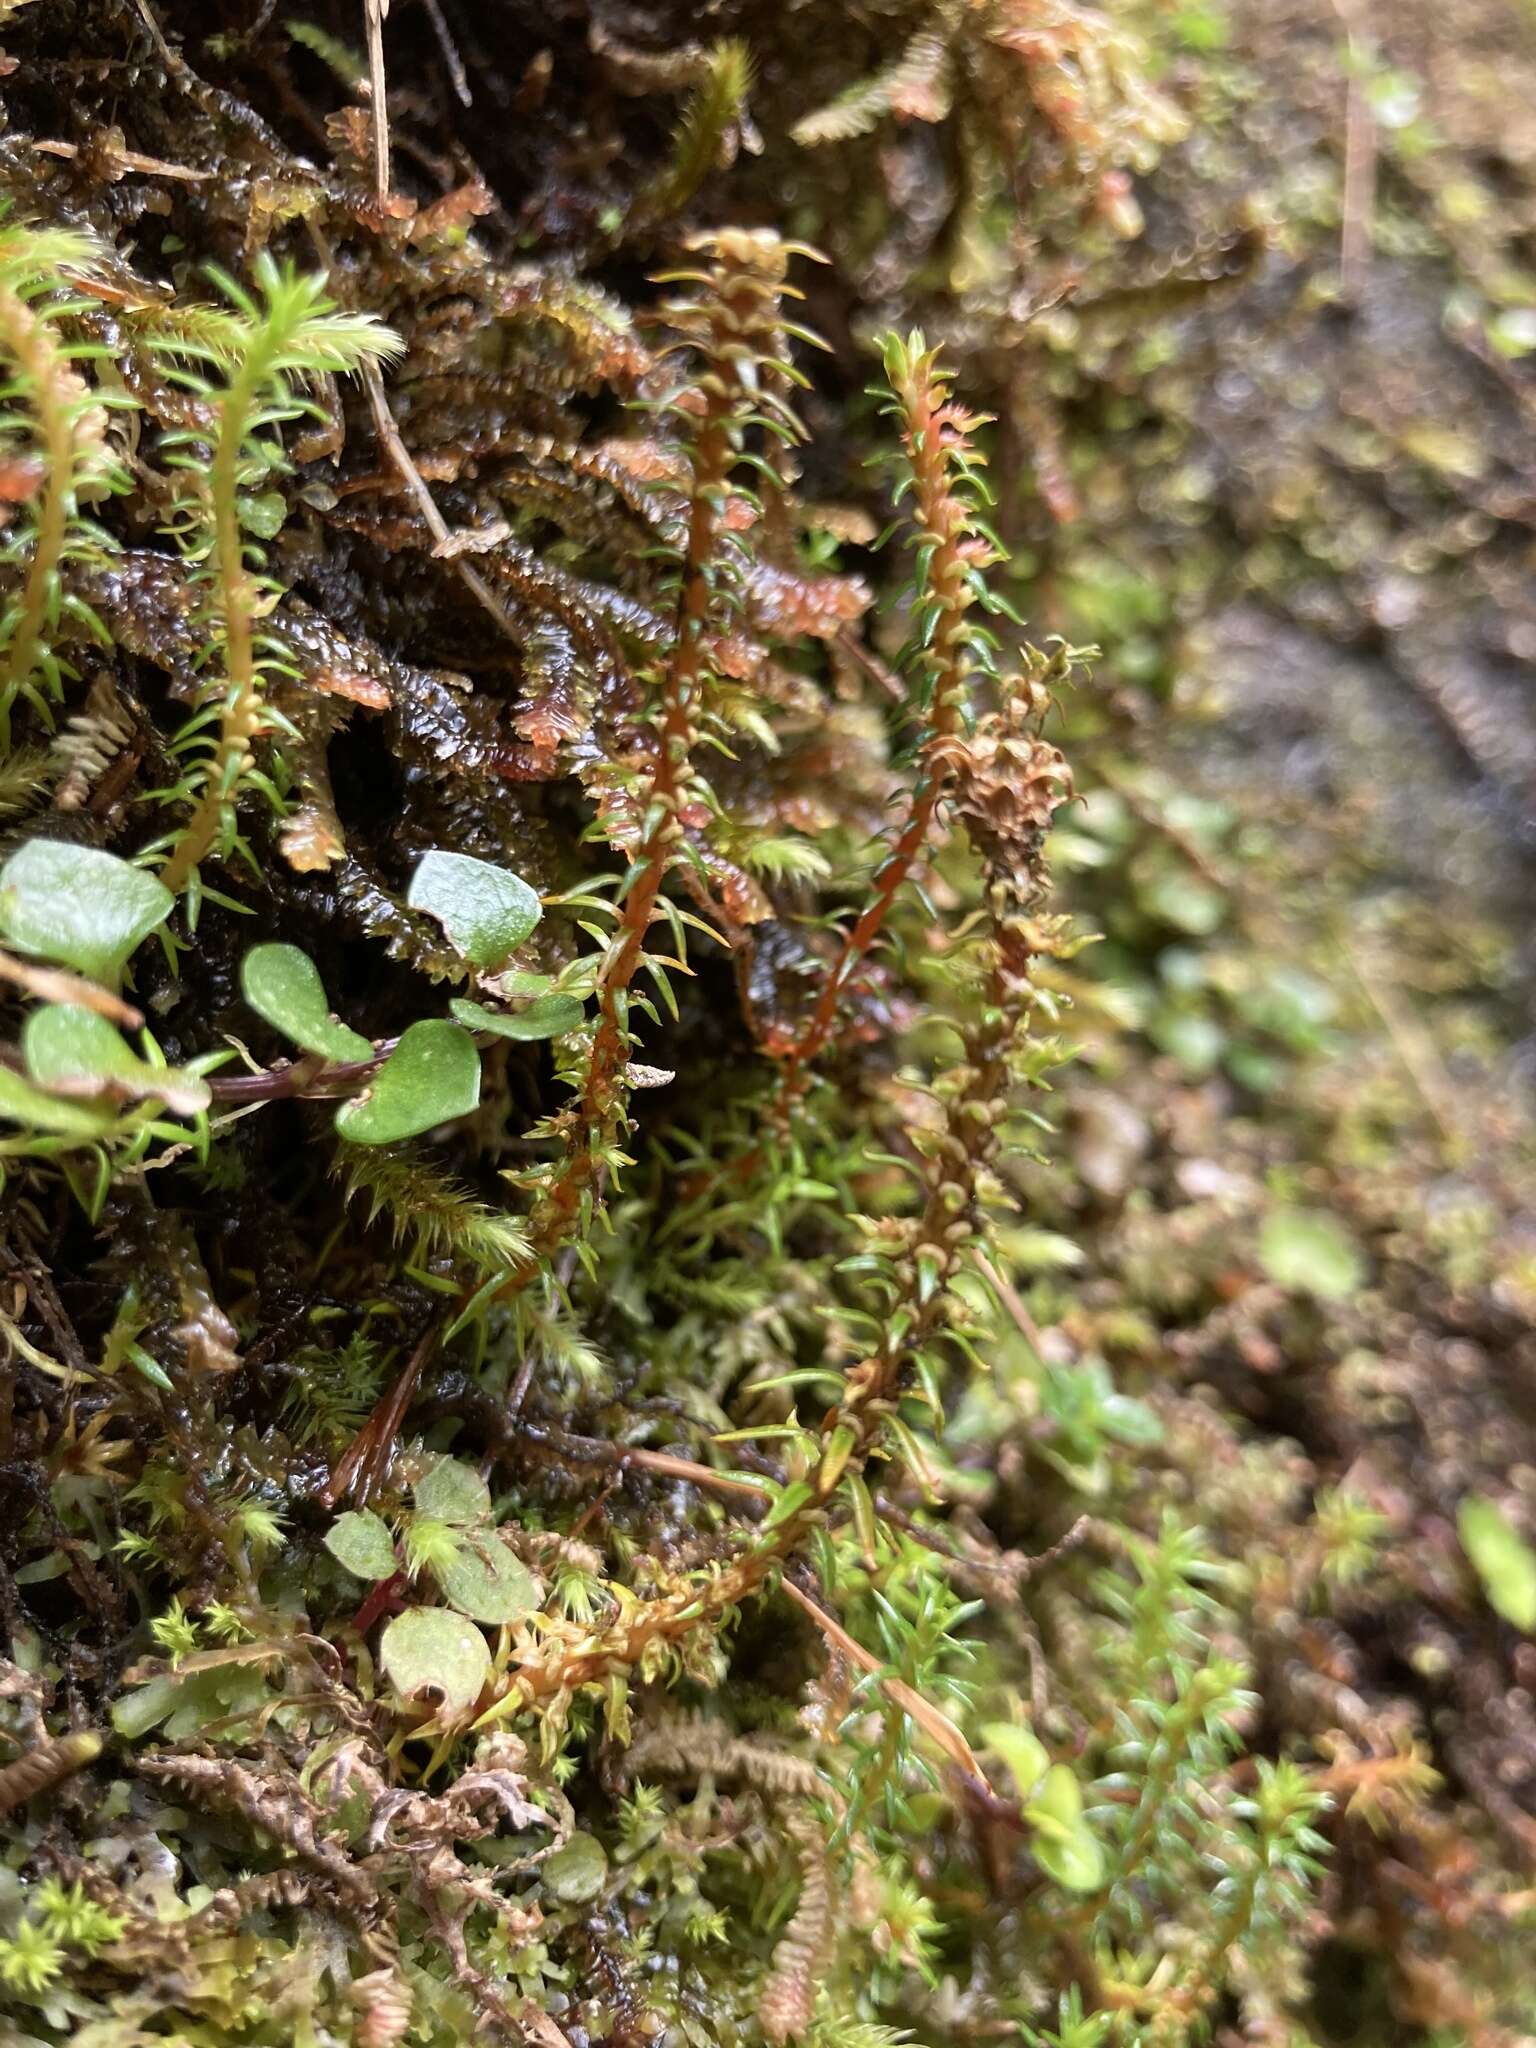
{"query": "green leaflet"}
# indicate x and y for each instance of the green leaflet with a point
(433, 1650)
(362, 1542)
(1504, 1561)
(75, 1051)
(485, 911)
(431, 1077)
(283, 985)
(79, 906)
(545, 1017)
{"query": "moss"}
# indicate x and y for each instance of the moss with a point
(646, 1400)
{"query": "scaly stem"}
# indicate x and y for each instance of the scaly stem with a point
(242, 716)
(669, 774)
(665, 789)
(935, 436)
(51, 383)
(733, 323)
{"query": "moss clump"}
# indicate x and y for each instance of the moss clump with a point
(588, 1464)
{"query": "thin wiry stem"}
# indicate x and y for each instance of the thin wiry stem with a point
(374, 12)
(400, 460)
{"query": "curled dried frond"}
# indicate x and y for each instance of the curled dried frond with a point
(691, 1745)
(47, 1765)
(383, 2002)
(787, 2001)
(916, 86)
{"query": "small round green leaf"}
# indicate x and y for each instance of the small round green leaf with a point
(486, 911)
(1195, 1040)
(283, 985)
(1021, 1750)
(1074, 1860)
(431, 1077)
(517, 984)
(1058, 1797)
(548, 1017)
(1063, 1843)
(1505, 1562)
(486, 1582)
(451, 1491)
(431, 1649)
(264, 514)
(75, 1051)
(1310, 1253)
(1181, 899)
(80, 906)
(577, 1873)
(362, 1542)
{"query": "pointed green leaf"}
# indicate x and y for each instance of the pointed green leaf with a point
(75, 1051)
(431, 1649)
(21, 1103)
(548, 1017)
(283, 985)
(789, 1502)
(362, 1542)
(836, 1452)
(486, 911)
(80, 906)
(486, 1582)
(864, 1521)
(432, 1076)
(1505, 1562)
